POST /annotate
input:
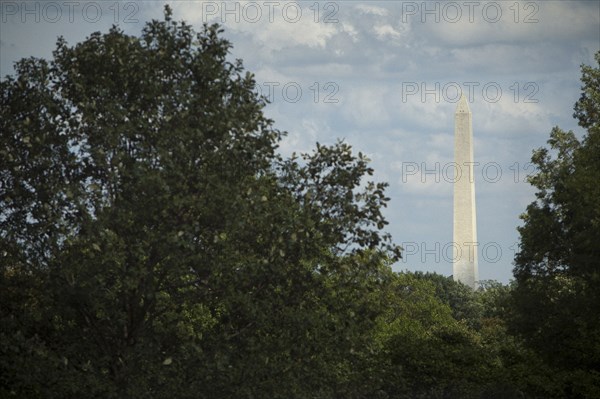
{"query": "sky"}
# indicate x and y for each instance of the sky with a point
(385, 77)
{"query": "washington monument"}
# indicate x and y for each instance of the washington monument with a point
(465, 224)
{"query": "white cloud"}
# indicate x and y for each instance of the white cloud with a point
(507, 22)
(386, 31)
(281, 34)
(271, 26)
(372, 10)
(350, 30)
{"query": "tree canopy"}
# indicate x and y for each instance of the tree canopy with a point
(154, 242)
(557, 270)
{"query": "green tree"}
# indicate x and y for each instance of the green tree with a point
(154, 244)
(424, 351)
(462, 299)
(557, 296)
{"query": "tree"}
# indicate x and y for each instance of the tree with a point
(155, 245)
(423, 351)
(461, 299)
(557, 270)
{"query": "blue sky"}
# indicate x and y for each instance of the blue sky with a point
(385, 76)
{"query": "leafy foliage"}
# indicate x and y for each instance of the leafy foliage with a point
(154, 243)
(556, 299)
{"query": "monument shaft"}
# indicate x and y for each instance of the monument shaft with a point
(465, 225)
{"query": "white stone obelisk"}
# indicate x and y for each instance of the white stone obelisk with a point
(465, 225)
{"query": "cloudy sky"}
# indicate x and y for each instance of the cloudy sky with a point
(385, 77)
